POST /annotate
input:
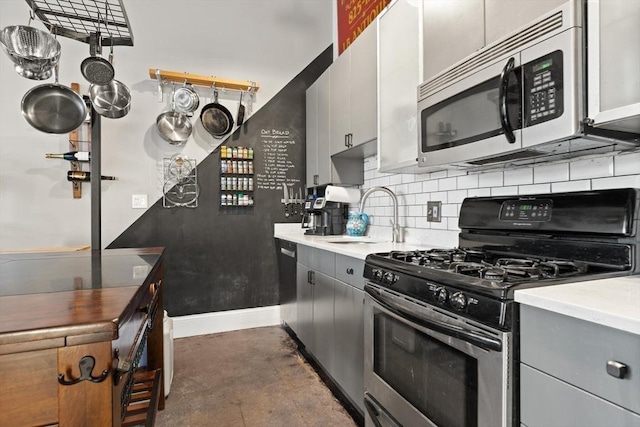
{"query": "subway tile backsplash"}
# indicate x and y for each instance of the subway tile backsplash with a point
(453, 186)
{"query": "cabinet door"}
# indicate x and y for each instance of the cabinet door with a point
(504, 17)
(323, 346)
(304, 306)
(325, 168)
(349, 341)
(339, 93)
(613, 59)
(452, 30)
(312, 133)
(362, 86)
(399, 74)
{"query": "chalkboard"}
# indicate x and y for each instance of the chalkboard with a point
(220, 258)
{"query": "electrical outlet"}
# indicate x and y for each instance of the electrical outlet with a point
(140, 271)
(138, 201)
(434, 211)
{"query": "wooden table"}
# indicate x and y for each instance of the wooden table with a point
(60, 308)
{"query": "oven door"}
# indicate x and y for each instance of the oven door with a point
(425, 367)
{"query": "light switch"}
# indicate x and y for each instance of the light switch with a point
(434, 213)
(138, 201)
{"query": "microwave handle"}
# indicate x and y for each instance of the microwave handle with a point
(502, 101)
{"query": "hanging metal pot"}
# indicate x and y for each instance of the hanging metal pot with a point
(96, 69)
(173, 126)
(54, 108)
(112, 100)
(185, 99)
(216, 118)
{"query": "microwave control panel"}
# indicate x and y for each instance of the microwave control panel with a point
(543, 89)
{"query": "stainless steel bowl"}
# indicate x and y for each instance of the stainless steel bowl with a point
(34, 52)
(174, 127)
(112, 100)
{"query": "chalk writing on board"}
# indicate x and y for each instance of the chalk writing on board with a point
(277, 167)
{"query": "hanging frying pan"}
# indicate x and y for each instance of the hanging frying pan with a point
(54, 108)
(216, 118)
(240, 118)
(96, 69)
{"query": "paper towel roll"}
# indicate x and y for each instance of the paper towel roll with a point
(342, 194)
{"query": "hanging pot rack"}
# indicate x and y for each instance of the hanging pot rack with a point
(78, 19)
(200, 80)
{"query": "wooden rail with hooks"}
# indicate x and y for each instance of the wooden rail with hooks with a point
(200, 80)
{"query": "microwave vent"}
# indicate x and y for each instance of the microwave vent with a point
(490, 53)
(524, 154)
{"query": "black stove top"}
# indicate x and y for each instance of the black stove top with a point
(504, 247)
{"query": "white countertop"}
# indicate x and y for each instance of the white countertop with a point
(609, 302)
(294, 233)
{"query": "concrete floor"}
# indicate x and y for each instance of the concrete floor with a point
(253, 377)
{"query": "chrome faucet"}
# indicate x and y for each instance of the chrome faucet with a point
(396, 227)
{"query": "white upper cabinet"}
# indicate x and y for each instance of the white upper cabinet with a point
(399, 74)
(321, 168)
(504, 17)
(353, 93)
(452, 31)
(613, 84)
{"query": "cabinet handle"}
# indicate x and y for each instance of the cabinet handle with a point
(311, 278)
(350, 140)
(315, 179)
(346, 139)
(616, 369)
(350, 271)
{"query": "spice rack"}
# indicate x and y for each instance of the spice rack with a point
(236, 177)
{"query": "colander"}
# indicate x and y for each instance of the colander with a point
(34, 52)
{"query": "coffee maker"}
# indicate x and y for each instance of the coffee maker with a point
(324, 218)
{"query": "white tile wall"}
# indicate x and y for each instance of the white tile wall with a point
(453, 186)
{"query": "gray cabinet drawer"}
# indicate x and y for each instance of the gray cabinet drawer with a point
(547, 401)
(577, 351)
(350, 270)
(317, 259)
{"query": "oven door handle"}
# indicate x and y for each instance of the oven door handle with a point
(475, 338)
(378, 415)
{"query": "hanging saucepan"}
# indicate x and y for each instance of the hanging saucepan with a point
(96, 69)
(215, 118)
(54, 108)
(112, 100)
(186, 99)
(174, 126)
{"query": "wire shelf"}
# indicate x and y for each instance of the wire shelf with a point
(78, 19)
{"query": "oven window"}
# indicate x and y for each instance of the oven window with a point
(438, 380)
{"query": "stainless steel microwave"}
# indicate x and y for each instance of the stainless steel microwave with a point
(515, 101)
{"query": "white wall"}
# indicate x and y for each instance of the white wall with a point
(451, 187)
(268, 41)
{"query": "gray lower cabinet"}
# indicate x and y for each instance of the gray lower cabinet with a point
(330, 312)
(577, 373)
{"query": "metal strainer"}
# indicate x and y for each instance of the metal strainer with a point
(34, 52)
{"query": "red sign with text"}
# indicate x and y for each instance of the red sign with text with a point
(354, 16)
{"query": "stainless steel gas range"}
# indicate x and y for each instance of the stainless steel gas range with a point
(441, 326)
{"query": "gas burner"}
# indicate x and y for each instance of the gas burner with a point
(453, 255)
(468, 268)
(495, 274)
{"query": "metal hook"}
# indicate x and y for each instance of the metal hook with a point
(159, 78)
(86, 366)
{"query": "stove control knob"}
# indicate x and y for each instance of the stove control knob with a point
(441, 295)
(377, 274)
(389, 278)
(459, 301)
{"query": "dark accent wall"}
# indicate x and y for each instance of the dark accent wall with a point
(221, 258)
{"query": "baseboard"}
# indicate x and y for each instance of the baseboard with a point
(224, 321)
